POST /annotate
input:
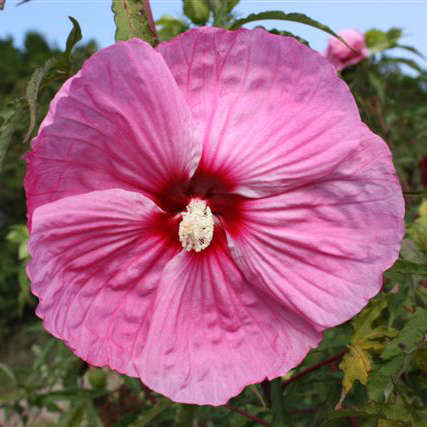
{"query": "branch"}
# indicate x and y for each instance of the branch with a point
(313, 368)
(247, 414)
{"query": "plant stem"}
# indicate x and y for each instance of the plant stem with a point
(247, 414)
(313, 368)
(277, 404)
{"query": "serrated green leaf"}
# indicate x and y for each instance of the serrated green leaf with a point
(357, 362)
(389, 412)
(396, 357)
(356, 365)
(344, 413)
(282, 16)
(363, 323)
(32, 92)
(11, 122)
(410, 337)
(382, 377)
(74, 37)
(133, 18)
(197, 10)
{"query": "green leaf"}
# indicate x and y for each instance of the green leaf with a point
(357, 362)
(409, 267)
(378, 84)
(282, 16)
(221, 11)
(382, 378)
(18, 235)
(410, 49)
(288, 34)
(396, 357)
(185, 415)
(8, 372)
(410, 337)
(74, 416)
(356, 365)
(419, 358)
(253, 388)
(91, 414)
(12, 120)
(197, 10)
(133, 18)
(409, 62)
(377, 40)
(32, 92)
(74, 37)
(24, 295)
(418, 233)
(230, 5)
(146, 418)
(344, 413)
(277, 404)
(44, 354)
(169, 27)
(389, 412)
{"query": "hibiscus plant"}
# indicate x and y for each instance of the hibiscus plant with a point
(223, 227)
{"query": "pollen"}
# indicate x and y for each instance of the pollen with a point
(197, 226)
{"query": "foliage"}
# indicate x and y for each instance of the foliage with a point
(19, 68)
(133, 19)
(370, 371)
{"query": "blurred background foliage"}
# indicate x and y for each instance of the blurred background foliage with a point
(370, 371)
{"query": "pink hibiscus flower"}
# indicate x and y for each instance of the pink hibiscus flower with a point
(340, 55)
(203, 211)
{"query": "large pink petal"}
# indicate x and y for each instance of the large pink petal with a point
(212, 333)
(121, 122)
(321, 249)
(273, 113)
(96, 262)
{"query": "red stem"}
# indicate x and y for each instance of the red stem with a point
(247, 414)
(313, 368)
(146, 8)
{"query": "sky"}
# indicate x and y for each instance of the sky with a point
(50, 17)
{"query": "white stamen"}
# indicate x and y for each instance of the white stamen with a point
(197, 226)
